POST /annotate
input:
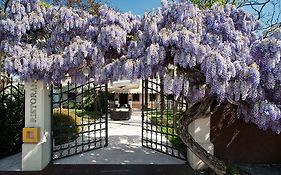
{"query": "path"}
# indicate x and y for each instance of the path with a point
(109, 170)
(11, 163)
(124, 147)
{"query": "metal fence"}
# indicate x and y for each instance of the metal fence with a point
(11, 115)
(79, 118)
(160, 122)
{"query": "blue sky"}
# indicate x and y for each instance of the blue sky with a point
(137, 7)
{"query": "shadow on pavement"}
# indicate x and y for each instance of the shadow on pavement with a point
(109, 170)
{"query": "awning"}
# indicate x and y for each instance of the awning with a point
(125, 86)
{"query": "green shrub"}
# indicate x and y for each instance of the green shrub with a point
(232, 170)
(160, 121)
(65, 126)
(92, 115)
(95, 102)
(165, 125)
(72, 105)
(12, 122)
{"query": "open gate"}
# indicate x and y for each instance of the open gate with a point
(79, 118)
(160, 114)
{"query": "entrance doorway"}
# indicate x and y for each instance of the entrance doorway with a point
(123, 99)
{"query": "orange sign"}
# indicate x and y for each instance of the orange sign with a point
(31, 135)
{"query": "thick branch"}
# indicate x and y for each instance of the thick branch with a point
(199, 110)
(6, 5)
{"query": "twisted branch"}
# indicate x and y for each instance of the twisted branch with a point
(200, 110)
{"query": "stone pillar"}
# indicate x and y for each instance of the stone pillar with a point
(200, 131)
(36, 157)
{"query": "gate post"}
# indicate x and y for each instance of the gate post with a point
(36, 156)
(200, 131)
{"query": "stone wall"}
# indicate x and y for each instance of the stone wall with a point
(237, 141)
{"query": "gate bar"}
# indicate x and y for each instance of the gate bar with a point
(106, 115)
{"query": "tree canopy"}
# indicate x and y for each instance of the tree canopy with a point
(199, 53)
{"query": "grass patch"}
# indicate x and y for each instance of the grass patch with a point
(165, 124)
(174, 139)
(166, 114)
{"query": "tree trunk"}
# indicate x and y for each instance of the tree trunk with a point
(199, 110)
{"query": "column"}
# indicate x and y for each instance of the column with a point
(36, 156)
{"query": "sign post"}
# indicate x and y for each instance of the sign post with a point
(36, 149)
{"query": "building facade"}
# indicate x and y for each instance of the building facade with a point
(126, 92)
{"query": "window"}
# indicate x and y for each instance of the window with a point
(152, 97)
(170, 97)
(111, 97)
(136, 97)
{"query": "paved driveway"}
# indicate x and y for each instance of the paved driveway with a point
(124, 147)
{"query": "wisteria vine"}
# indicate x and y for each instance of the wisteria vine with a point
(198, 53)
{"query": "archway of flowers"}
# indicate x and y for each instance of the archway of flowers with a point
(207, 56)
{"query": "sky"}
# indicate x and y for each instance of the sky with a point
(137, 7)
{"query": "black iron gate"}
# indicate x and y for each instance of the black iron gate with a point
(79, 118)
(160, 114)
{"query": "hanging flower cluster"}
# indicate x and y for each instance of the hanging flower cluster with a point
(198, 53)
(48, 42)
(266, 111)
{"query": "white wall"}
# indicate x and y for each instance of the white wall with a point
(200, 131)
(36, 157)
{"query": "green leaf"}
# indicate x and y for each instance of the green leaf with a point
(44, 4)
